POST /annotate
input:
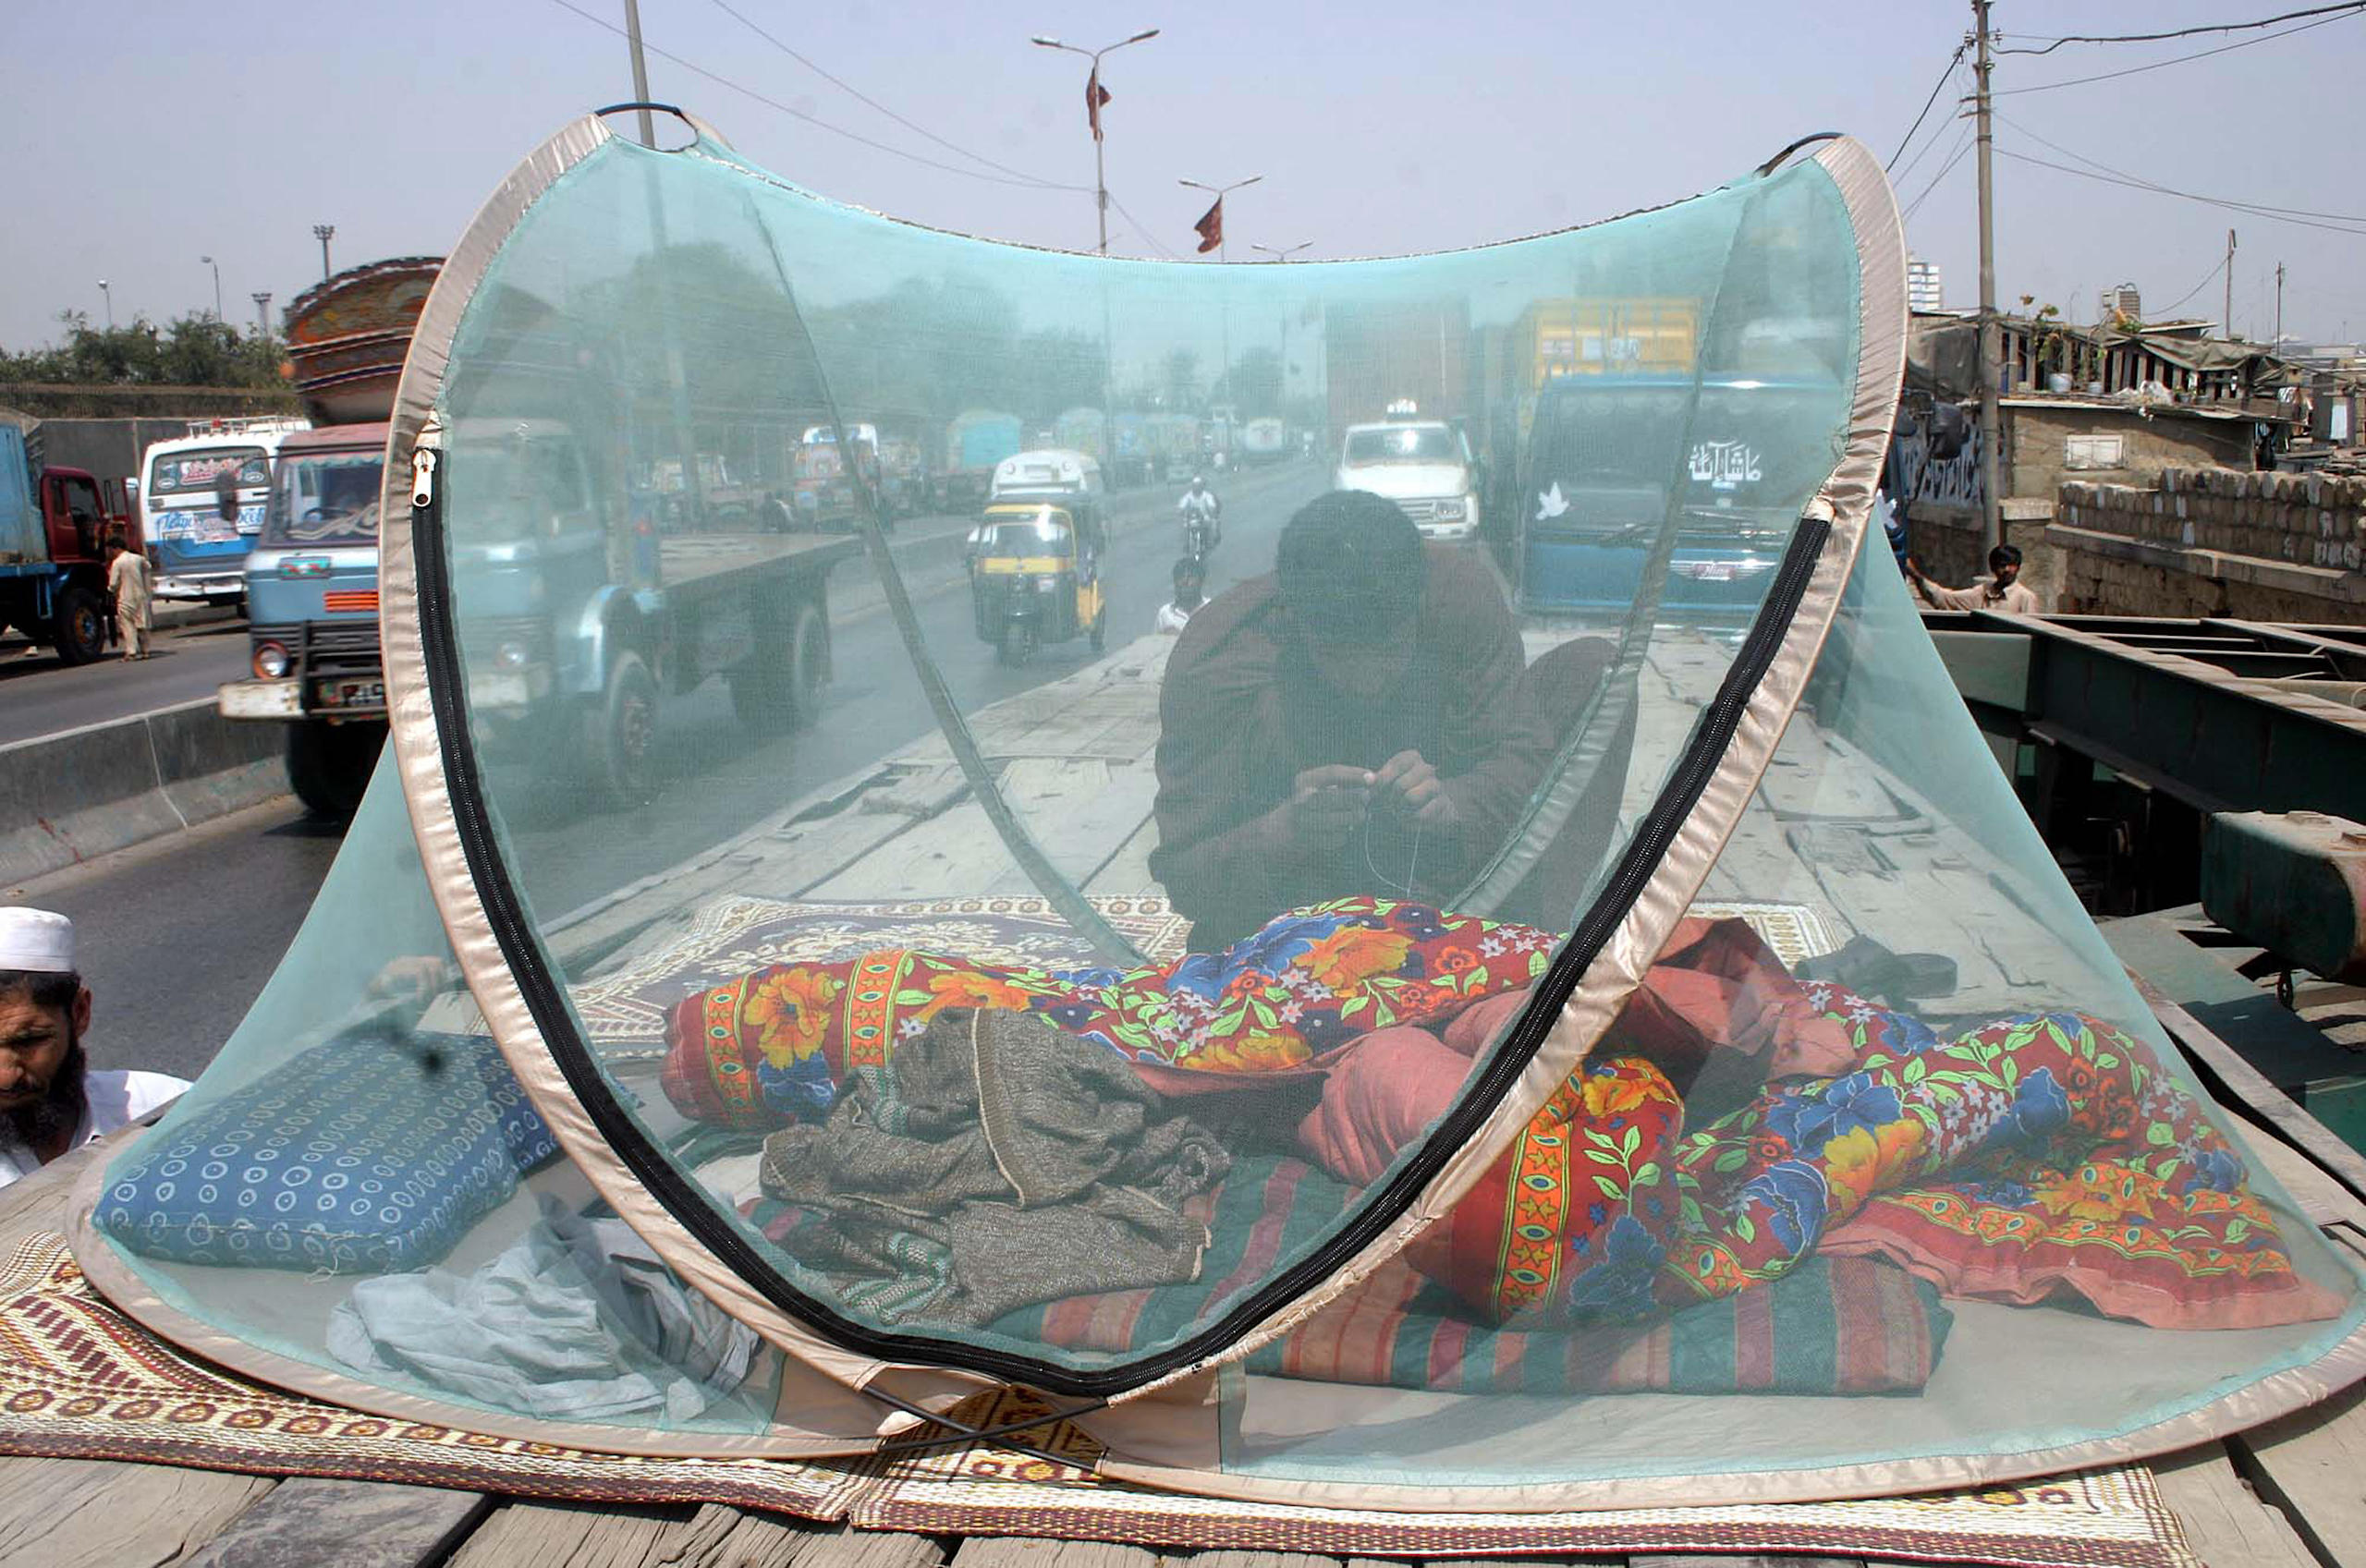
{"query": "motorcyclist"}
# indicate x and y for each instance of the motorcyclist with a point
(1201, 505)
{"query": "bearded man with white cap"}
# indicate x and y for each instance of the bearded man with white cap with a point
(50, 1101)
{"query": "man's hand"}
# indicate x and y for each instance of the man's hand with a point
(1325, 805)
(1417, 789)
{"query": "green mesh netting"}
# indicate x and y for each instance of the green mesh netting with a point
(969, 901)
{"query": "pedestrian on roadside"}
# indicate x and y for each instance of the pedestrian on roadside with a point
(2000, 590)
(51, 1104)
(131, 582)
(1190, 592)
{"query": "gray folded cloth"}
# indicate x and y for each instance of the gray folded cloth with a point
(995, 1162)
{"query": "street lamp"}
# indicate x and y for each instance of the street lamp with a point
(1285, 252)
(217, 285)
(1093, 108)
(324, 233)
(109, 294)
(262, 313)
(1223, 252)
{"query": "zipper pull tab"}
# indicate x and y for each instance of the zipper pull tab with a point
(424, 452)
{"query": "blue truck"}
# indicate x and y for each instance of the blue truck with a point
(55, 524)
(586, 607)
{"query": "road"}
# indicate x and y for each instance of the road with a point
(40, 694)
(178, 936)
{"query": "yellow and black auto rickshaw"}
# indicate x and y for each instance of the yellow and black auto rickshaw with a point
(1034, 575)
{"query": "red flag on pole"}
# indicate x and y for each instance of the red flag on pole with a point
(1095, 95)
(1210, 228)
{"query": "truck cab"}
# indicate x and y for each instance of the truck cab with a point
(53, 529)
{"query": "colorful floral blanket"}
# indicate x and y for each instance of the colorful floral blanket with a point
(2039, 1156)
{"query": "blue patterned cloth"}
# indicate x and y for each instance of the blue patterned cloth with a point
(371, 1153)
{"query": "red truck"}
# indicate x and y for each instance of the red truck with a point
(55, 524)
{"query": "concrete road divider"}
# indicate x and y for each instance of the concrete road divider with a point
(83, 793)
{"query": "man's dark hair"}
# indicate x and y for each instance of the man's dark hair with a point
(43, 987)
(1350, 566)
(2004, 555)
(1189, 570)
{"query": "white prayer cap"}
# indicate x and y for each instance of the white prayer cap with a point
(35, 940)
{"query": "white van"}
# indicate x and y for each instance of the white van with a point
(1423, 465)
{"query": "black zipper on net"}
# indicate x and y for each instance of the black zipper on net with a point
(689, 1205)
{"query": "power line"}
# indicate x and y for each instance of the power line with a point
(1944, 170)
(862, 97)
(2265, 210)
(1028, 183)
(1915, 162)
(1953, 60)
(2197, 289)
(2178, 60)
(1148, 238)
(2183, 32)
(2271, 213)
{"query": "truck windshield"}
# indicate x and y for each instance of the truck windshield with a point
(1403, 444)
(202, 471)
(325, 498)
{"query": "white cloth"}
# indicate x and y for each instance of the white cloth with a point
(1199, 503)
(36, 940)
(1172, 620)
(130, 579)
(116, 1100)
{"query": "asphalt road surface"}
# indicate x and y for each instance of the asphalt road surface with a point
(178, 936)
(42, 695)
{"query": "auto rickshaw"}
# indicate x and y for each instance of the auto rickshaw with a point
(1034, 576)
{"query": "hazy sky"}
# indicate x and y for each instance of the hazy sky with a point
(147, 134)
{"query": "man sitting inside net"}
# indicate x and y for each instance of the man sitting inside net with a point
(1349, 724)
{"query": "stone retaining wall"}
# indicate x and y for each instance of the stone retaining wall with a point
(2215, 542)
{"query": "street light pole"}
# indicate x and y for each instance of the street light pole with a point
(1285, 252)
(324, 233)
(1092, 82)
(109, 294)
(1224, 254)
(262, 313)
(217, 285)
(1991, 499)
(1223, 250)
(640, 71)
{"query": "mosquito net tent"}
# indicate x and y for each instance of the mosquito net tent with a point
(1536, 996)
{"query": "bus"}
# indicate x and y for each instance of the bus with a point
(197, 541)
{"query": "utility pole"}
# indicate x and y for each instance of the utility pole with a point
(1992, 498)
(324, 233)
(262, 313)
(2279, 307)
(640, 71)
(109, 294)
(217, 285)
(1093, 92)
(2227, 316)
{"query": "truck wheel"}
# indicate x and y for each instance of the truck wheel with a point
(780, 687)
(78, 628)
(1100, 628)
(1018, 642)
(623, 738)
(329, 766)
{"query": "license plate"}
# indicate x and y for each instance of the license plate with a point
(351, 694)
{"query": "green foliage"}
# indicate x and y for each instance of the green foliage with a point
(191, 351)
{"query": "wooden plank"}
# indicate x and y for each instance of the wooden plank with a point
(958, 854)
(846, 1548)
(1015, 1551)
(922, 793)
(1129, 869)
(2309, 1465)
(351, 1524)
(2249, 1085)
(1256, 1559)
(2323, 1200)
(2225, 1521)
(1092, 835)
(101, 1514)
(40, 1201)
(1718, 1559)
(543, 1535)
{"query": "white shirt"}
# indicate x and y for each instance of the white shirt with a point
(116, 1100)
(1197, 502)
(1171, 619)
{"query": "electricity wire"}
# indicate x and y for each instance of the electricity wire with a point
(861, 97)
(1028, 183)
(2183, 32)
(1953, 60)
(2177, 60)
(2263, 208)
(2272, 213)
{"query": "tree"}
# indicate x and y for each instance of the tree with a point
(1256, 381)
(1182, 379)
(191, 351)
